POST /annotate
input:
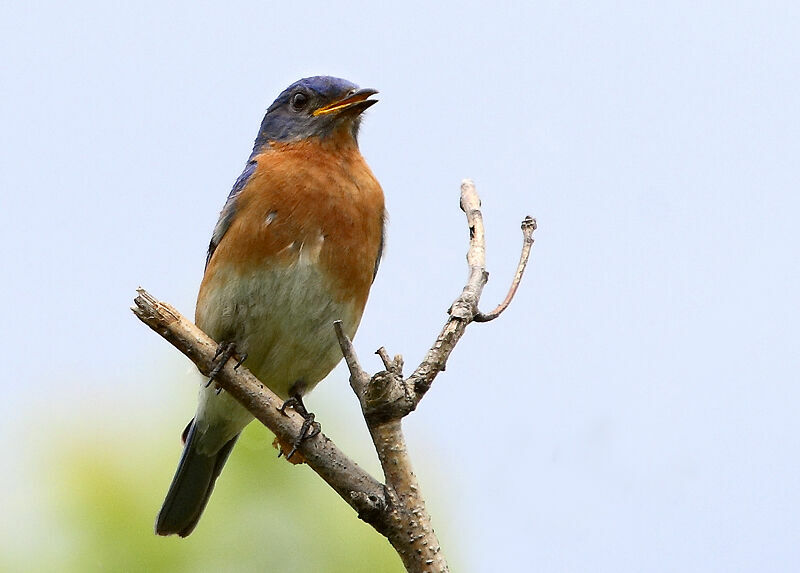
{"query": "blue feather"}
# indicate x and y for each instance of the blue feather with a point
(229, 210)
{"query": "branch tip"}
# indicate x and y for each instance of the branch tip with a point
(387, 361)
(528, 226)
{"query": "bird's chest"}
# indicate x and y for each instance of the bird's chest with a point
(298, 255)
(323, 209)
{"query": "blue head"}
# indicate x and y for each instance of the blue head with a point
(314, 107)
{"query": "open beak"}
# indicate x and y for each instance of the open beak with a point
(353, 103)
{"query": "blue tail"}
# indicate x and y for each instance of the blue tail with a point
(191, 487)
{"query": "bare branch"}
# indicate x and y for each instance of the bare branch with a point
(412, 533)
(387, 361)
(409, 528)
(358, 378)
(386, 398)
(465, 306)
(528, 227)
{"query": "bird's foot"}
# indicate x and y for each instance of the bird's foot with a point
(309, 429)
(224, 352)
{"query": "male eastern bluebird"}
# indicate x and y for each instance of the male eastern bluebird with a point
(296, 247)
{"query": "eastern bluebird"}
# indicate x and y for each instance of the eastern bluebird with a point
(296, 247)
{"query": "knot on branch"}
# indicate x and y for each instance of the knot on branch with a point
(370, 506)
(464, 308)
(387, 397)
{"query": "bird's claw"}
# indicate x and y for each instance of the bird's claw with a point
(308, 430)
(241, 361)
(224, 352)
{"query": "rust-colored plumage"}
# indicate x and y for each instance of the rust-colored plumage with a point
(320, 196)
(295, 249)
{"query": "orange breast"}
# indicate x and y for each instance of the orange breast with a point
(314, 200)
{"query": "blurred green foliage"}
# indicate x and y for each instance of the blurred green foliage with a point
(101, 493)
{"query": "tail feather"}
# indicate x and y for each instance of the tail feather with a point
(191, 487)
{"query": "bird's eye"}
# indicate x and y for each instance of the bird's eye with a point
(299, 101)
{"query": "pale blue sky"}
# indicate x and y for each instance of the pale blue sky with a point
(635, 409)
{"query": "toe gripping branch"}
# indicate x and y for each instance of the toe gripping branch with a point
(225, 351)
(308, 430)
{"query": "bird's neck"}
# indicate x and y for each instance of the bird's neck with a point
(340, 141)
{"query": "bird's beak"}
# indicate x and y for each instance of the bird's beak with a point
(354, 103)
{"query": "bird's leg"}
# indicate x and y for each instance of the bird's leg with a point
(224, 351)
(309, 429)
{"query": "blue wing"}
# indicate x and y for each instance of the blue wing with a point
(229, 210)
(381, 246)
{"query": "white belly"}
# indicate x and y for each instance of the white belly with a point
(282, 318)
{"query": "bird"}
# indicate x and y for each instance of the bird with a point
(296, 247)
